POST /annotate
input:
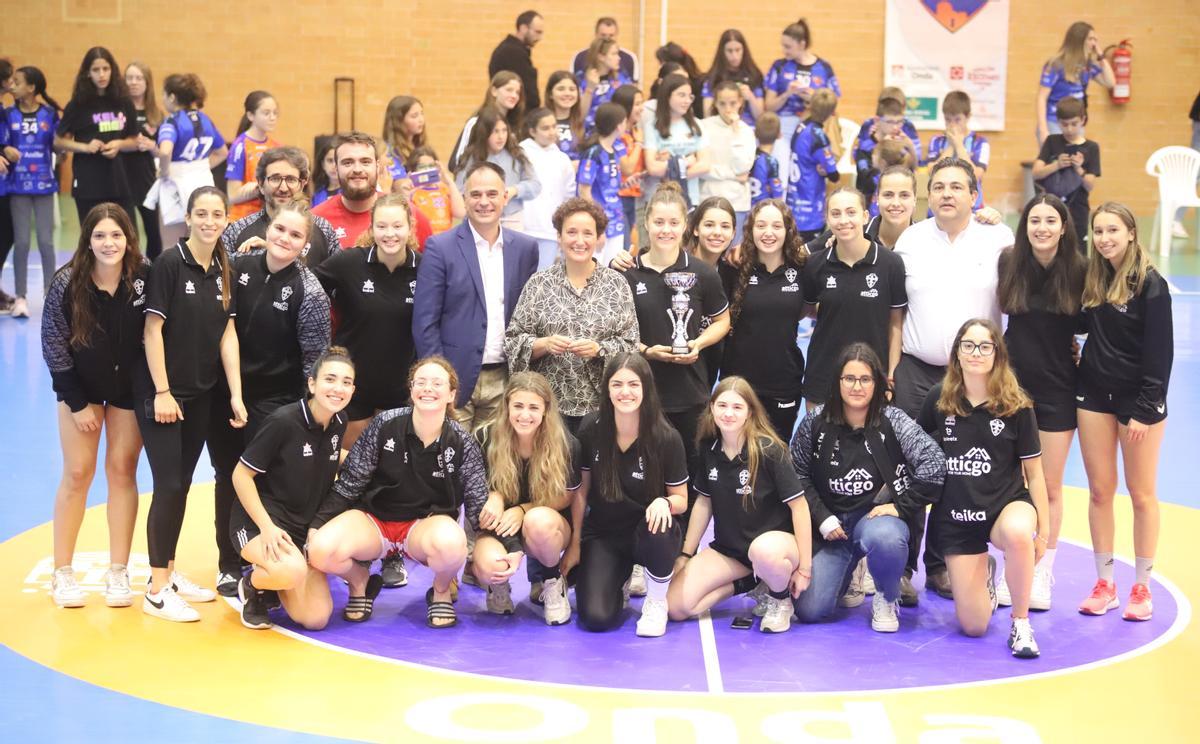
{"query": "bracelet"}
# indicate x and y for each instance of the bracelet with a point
(805, 573)
(522, 508)
(686, 554)
(162, 392)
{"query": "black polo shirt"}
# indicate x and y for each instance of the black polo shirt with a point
(620, 516)
(284, 322)
(679, 386)
(1039, 345)
(190, 301)
(855, 303)
(983, 457)
(727, 481)
(321, 238)
(297, 460)
(844, 472)
(762, 345)
(374, 307)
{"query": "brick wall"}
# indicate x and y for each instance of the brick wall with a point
(438, 50)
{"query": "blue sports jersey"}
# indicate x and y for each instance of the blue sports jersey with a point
(601, 171)
(1055, 78)
(812, 160)
(864, 144)
(979, 150)
(566, 139)
(817, 75)
(604, 93)
(193, 133)
(33, 135)
(764, 178)
(747, 114)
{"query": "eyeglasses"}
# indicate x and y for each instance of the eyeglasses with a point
(275, 180)
(967, 348)
(851, 381)
(432, 384)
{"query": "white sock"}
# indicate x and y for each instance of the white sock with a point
(1104, 566)
(1047, 561)
(116, 566)
(656, 588)
(1142, 568)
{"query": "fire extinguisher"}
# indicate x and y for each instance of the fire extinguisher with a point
(1122, 65)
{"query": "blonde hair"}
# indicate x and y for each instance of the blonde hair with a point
(758, 432)
(551, 456)
(367, 239)
(1103, 283)
(1072, 56)
(1005, 396)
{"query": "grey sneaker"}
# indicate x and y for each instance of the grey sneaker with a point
(117, 592)
(64, 590)
(554, 601)
(394, 573)
(885, 615)
(499, 599)
(760, 594)
(637, 582)
(854, 595)
(778, 617)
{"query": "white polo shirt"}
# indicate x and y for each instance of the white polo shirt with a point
(491, 267)
(948, 283)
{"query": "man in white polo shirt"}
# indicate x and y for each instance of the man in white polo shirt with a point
(950, 275)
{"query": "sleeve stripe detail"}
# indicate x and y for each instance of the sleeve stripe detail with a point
(793, 497)
(1030, 457)
(251, 465)
(678, 483)
(157, 312)
(723, 309)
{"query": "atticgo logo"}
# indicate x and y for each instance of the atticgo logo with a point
(968, 515)
(855, 483)
(975, 462)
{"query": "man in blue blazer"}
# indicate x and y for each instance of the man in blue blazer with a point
(468, 284)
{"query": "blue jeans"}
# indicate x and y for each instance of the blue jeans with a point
(884, 541)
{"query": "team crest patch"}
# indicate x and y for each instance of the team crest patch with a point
(641, 288)
(138, 286)
(744, 480)
(390, 445)
(872, 278)
(220, 288)
(189, 287)
(308, 450)
(997, 426)
(244, 279)
(953, 14)
(447, 459)
(790, 274)
(831, 282)
(753, 280)
(712, 474)
(285, 293)
(368, 286)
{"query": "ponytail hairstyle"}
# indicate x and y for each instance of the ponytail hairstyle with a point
(672, 52)
(79, 286)
(547, 467)
(33, 76)
(367, 239)
(331, 354)
(1005, 396)
(394, 136)
(437, 360)
(575, 115)
(1116, 285)
(758, 433)
(154, 114)
(219, 254)
(668, 193)
(499, 80)
(189, 92)
(662, 114)
(794, 252)
(626, 97)
(532, 119)
(799, 33)
(667, 68)
(253, 100)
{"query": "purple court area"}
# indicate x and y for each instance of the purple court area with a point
(843, 655)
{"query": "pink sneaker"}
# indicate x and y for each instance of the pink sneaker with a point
(1140, 607)
(1103, 598)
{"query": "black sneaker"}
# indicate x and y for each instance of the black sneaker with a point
(227, 583)
(908, 592)
(254, 607)
(394, 572)
(271, 597)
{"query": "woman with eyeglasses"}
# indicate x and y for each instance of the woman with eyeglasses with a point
(994, 491)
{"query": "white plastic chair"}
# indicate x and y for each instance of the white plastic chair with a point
(1176, 169)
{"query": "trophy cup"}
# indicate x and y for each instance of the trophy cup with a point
(680, 312)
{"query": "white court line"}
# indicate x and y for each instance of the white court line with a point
(708, 643)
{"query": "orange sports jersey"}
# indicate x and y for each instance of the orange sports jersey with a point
(434, 203)
(243, 160)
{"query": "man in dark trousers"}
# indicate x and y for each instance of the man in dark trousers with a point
(515, 54)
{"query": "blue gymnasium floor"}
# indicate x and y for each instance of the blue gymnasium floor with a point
(43, 701)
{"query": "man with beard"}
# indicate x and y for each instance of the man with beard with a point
(515, 54)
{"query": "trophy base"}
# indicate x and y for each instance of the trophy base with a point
(681, 350)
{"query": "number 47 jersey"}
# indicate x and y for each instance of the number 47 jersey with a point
(193, 133)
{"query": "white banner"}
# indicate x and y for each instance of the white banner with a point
(932, 47)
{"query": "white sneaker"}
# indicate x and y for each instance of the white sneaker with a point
(20, 308)
(760, 594)
(653, 622)
(885, 615)
(554, 601)
(499, 599)
(1020, 639)
(116, 588)
(637, 582)
(189, 590)
(1003, 595)
(1039, 596)
(778, 617)
(1178, 230)
(64, 590)
(854, 591)
(868, 582)
(168, 605)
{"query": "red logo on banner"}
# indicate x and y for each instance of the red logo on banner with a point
(956, 72)
(953, 14)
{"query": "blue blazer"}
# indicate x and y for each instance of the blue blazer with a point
(449, 317)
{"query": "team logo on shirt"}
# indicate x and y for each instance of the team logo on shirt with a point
(790, 274)
(1120, 308)
(244, 279)
(997, 426)
(308, 452)
(368, 286)
(220, 289)
(412, 290)
(189, 287)
(340, 233)
(974, 463)
(855, 483)
(446, 460)
(870, 291)
(641, 288)
(872, 278)
(282, 303)
(753, 280)
(949, 429)
(640, 473)
(389, 445)
(712, 474)
(1161, 408)
(138, 286)
(831, 282)
(744, 480)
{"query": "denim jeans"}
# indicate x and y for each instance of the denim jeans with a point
(884, 541)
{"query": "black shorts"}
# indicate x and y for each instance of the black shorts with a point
(741, 556)
(1120, 403)
(515, 543)
(968, 531)
(242, 528)
(1055, 415)
(125, 404)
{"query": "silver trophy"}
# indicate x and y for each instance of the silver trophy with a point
(680, 312)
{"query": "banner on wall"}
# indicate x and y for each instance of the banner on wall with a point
(932, 47)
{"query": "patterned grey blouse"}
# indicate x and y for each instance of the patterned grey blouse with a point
(602, 312)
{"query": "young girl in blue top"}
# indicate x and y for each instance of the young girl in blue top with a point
(601, 78)
(189, 145)
(811, 162)
(599, 175)
(1078, 62)
(790, 85)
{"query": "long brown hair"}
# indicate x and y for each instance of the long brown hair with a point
(394, 135)
(794, 252)
(367, 239)
(653, 430)
(476, 150)
(551, 452)
(662, 114)
(758, 432)
(575, 115)
(721, 71)
(1019, 269)
(79, 285)
(218, 252)
(499, 80)
(1106, 284)
(597, 50)
(1072, 56)
(154, 114)
(1005, 396)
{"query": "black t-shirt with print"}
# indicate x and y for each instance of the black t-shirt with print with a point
(98, 177)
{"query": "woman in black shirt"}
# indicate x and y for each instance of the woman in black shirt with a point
(98, 124)
(1122, 397)
(91, 340)
(1040, 289)
(140, 164)
(634, 484)
(745, 484)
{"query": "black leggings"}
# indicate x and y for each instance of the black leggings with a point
(173, 451)
(783, 413)
(154, 246)
(605, 562)
(687, 422)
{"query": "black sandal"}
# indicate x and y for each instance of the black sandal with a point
(439, 611)
(365, 605)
